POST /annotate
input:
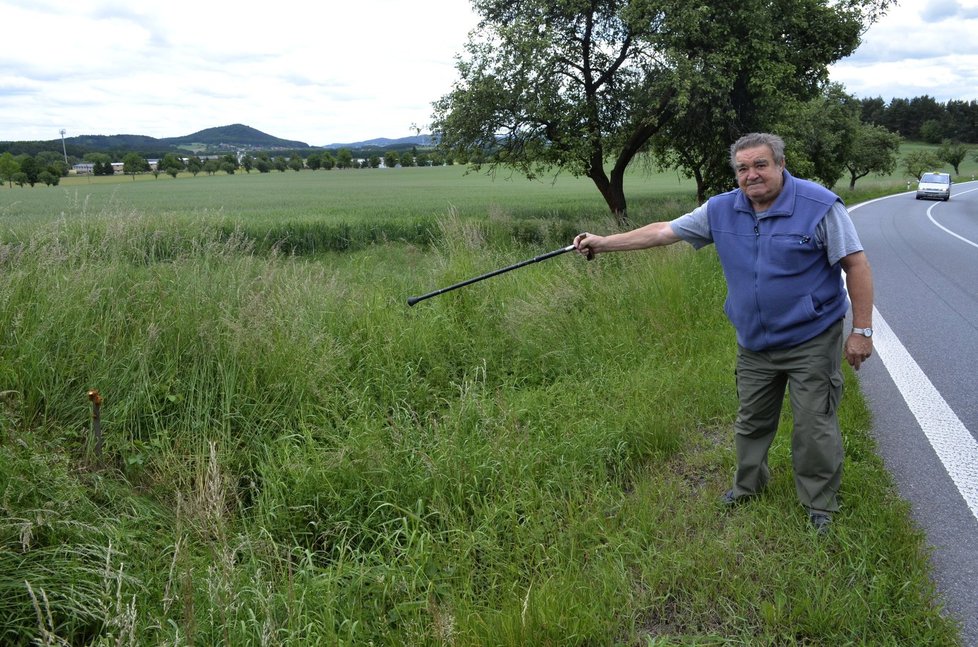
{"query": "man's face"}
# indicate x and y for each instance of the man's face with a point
(758, 176)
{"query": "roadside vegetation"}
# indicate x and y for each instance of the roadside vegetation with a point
(293, 456)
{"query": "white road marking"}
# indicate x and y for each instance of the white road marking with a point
(953, 443)
(940, 226)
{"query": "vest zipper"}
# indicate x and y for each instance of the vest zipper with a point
(757, 260)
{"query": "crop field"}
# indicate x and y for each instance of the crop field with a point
(375, 195)
(293, 456)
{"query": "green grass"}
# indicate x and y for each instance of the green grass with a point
(294, 456)
(351, 195)
(312, 212)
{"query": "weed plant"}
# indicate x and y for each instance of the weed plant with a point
(293, 456)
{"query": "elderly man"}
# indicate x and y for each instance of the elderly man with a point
(783, 243)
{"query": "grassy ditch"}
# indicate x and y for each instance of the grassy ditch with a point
(293, 456)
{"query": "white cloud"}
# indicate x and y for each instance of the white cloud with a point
(318, 72)
(918, 48)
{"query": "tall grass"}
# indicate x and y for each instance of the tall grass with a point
(295, 457)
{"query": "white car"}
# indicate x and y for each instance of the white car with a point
(934, 186)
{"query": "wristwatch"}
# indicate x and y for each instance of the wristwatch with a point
(865, 332)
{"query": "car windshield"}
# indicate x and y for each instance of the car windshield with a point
(935, 177)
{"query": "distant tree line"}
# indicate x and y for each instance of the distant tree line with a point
(47, 167)
(924, 118)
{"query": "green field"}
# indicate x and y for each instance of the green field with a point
(295, 457)
(375, 194)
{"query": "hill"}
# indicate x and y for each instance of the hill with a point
(222, 139)
(235, 136)
(384, 142)
(211, 140)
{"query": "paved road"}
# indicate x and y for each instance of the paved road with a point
(921, 384)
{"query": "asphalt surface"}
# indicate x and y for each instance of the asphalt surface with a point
(924, 257)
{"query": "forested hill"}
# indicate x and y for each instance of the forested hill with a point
(233, 137)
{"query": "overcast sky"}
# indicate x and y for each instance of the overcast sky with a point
(329, 72)
(921, 47)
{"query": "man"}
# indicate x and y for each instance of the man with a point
(783, 243)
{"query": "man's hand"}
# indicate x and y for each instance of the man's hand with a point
(584, 243)
(858, 349)
(859, 283)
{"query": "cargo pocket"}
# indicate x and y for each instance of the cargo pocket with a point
(836, 384)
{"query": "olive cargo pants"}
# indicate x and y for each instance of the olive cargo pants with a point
(812, 373)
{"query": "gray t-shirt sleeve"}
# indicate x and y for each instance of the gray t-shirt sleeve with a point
(694, 227)
(838, 234)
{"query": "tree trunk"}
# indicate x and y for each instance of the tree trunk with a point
(613, 191)
(700, 185)
(613, 188)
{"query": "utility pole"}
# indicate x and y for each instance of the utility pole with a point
(63, 148)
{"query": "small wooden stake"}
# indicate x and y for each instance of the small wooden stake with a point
(96, 399)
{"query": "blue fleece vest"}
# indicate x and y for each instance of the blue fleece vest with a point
(781, 290)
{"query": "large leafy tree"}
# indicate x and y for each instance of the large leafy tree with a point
(874, 150)
(133, 164)
(171, 164)
(580, 85)
(953, 153)
(760, 65)
(8, 167)
(918, 162)
(30, 168)
(820, 135)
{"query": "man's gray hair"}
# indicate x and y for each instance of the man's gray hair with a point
(754, 140)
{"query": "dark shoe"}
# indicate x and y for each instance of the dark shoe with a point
(729, 499)
(821, 521)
